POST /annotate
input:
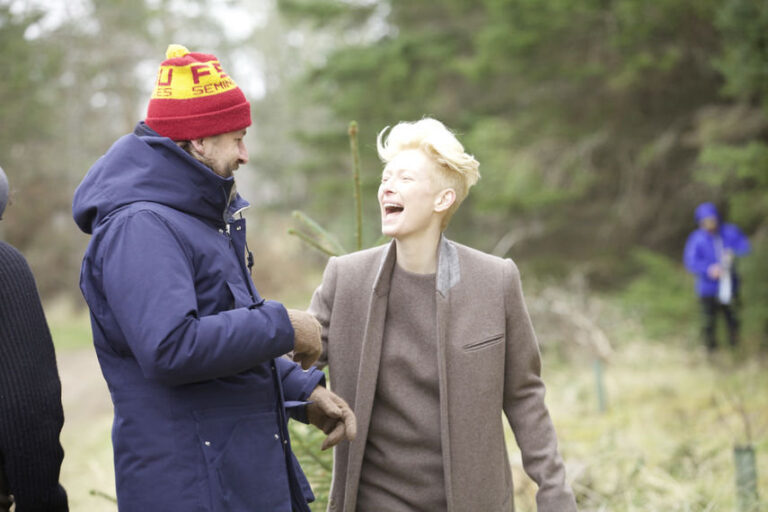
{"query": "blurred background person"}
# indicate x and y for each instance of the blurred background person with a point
(31, 414)
(710, 255)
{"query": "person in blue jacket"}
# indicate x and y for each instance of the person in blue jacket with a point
(710, 253)
(192, 354)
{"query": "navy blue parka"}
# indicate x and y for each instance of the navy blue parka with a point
(191, 353)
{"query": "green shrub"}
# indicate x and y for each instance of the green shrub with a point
(661, 296)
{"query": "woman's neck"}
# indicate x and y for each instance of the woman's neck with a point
(417, 253)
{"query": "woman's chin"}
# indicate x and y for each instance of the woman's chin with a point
(389, 231)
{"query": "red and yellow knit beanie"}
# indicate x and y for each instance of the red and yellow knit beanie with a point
(195, 98)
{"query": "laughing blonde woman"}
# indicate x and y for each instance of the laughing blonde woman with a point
(430, 341)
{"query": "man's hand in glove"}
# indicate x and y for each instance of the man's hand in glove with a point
(307, 337)
(331, 414)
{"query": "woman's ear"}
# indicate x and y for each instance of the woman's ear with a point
(445, 200)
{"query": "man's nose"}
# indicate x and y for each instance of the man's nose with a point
(243, 154)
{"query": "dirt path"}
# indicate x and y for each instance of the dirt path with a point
(86, 435)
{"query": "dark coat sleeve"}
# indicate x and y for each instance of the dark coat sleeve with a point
(149, 286)
(31, 415)
(298, 385)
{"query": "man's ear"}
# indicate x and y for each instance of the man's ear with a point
(198, 145)
(445, 200)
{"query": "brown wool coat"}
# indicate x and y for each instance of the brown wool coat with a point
(488, 362)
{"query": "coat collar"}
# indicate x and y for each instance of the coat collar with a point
(448, 270)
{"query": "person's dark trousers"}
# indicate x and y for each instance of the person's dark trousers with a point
(710, 308)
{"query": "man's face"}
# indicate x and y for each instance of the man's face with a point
(223, 153)
(408, 194)
(709, 224)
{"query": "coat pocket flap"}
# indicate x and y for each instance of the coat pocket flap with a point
(242, 297)
(483, 343)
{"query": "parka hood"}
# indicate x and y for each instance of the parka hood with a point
(144, 166)
(705, 210)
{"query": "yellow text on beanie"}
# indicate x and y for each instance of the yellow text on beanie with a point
(195, 98)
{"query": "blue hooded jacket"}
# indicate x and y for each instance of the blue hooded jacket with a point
(701, 251)
(190, 351)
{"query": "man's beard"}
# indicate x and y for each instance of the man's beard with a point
(228, 170)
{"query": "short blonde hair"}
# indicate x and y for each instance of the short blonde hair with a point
(457, 169)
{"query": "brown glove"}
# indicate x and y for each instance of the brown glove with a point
(307, 337)
(331, 414)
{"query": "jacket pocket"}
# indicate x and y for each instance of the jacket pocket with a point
(484, 343)
(241, 297)
(245, 460)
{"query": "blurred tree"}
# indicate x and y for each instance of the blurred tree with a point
(291, 126)
(597, 124)
(564, 103)
(734, 141)
(29, 121)
(77, 83)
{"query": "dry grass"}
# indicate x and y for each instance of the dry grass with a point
(674, 415)
(665, 442)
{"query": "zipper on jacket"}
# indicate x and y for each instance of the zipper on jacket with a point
(225, 231)
(246, 268)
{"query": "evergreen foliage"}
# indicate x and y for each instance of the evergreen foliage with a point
(599, 125)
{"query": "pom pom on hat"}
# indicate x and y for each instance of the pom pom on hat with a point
(175, 50)
(194, 98)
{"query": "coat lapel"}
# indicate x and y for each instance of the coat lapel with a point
(448, 275)
(448, 271)
(368, 373)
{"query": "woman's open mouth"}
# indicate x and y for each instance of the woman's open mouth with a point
(392, 210)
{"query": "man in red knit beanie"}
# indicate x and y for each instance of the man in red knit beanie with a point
(192, 354)
(198, 105)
